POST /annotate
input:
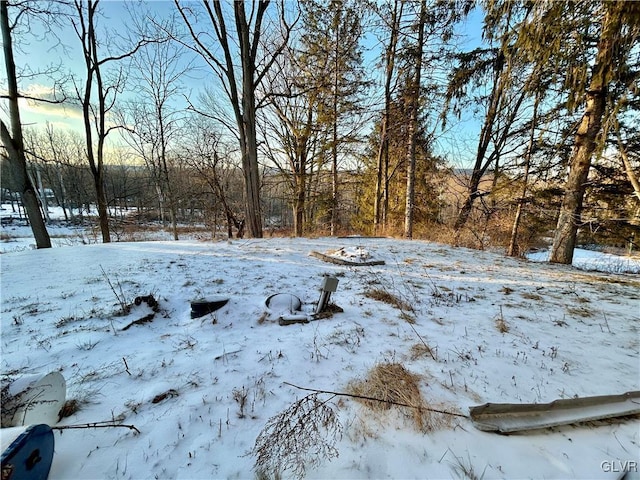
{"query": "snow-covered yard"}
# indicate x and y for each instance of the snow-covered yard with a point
(200, 390)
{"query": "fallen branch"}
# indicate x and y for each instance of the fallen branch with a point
(126, 366)
(364, 397)
(340, 261)
(218, 357)
(153, 304)
(106, 424)
(145, 319)
(171, 393)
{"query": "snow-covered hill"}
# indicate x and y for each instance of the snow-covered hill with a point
(200, 390)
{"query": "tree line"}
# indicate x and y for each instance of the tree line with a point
(341, 112)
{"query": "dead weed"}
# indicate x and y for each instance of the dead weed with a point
(392, 384)
(387, 297)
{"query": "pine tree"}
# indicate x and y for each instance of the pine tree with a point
(618, 33)
(429, 170)
(331, 42)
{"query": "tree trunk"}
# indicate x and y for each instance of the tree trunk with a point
(173, 210)
(14, 142)
(63, 194)
(472, 194)
(249, 141)
(628, 168)
(411, 176)
(486, 132)
(87, 37)
(413, 125)
(334, 137)
(41, 194)
(585, 142)
(514, 249)
(379, 206)
(334, 184)
(103, 210)
(298, 208)
(250, 169)
(300, 187)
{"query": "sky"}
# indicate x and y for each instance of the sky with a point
(62, 52)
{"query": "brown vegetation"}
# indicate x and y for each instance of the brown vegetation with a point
(392, 384)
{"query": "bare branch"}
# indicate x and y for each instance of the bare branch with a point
(364, 397)
(281, 47)
(38, 99)
(106, 424)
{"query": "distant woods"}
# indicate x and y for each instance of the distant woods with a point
(331, 118)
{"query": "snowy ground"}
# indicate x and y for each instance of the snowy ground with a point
(596, 261)
(565, 333)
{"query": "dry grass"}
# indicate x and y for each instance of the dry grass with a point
(531, 296)
(392, 384)
(69, 408)
(501, 325)
(580, 312)
(420, 350)
(385, 296)
(5, 237)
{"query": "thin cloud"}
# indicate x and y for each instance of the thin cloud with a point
(48, 94)
(64, 110)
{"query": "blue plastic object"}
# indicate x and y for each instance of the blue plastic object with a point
(30, 455)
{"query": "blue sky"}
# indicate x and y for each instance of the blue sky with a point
(38, 53)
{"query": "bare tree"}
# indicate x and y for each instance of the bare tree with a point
(209, 157)
(154, 119)
(13, 140)
(241, 71)
(95, 114)
(292, 133)
(513, 250)
(44, 154)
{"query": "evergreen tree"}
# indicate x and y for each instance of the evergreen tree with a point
(331, 48)
(586, 48)
(618, 33)
(430, 170)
